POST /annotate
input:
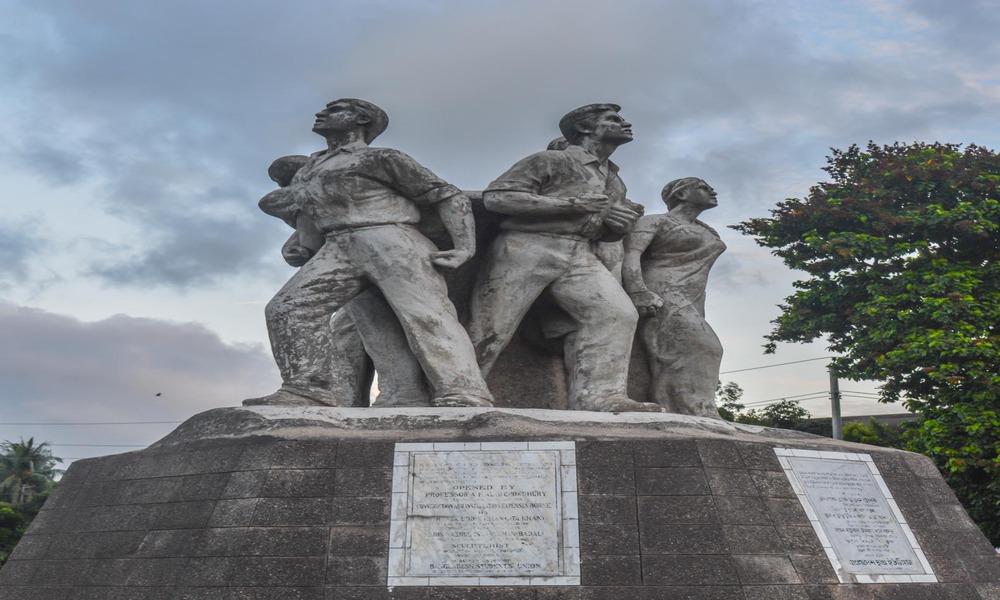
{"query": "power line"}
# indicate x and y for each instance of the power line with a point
(806, 397)
(104, 445)
(795, 396)
(794, 362)
(770, 402)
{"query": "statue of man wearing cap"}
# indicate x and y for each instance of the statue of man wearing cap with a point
(366, 202)
(558, 205)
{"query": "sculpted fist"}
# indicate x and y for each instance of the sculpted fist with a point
(646, 302)
(621, 219)
(296, 255)
(451, 259)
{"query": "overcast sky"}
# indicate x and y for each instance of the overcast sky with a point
(135, 138)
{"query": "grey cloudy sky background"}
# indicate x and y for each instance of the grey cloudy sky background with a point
(135, 136)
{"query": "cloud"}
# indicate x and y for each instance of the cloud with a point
(739, 90)
(192, 252)
(969, 26)
(56, 368)
(168, 111)
(18, 244)
(170, 100)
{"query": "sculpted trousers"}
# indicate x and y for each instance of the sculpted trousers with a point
(365, 334)
(396, 259)
(519, 267)
(400, 379)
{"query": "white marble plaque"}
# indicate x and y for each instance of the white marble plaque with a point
(490, 513)
(855, 516)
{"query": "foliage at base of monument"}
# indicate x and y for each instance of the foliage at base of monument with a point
(875, 433)
(14, 521)
(901, 250)
(784, 414)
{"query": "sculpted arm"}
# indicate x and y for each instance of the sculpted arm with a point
(517, 192)
(281, 203)
(645, 301)
(304, 243)
(284, 204)
(456, 215)
(512, 202)
(423, 187)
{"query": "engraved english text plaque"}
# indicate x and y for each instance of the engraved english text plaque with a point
(484, 513)
(852, 510)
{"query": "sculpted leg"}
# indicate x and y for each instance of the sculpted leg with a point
(600, 351)
(401, 381)
(397, 260)
(351, 370)
(298, 323)
(516, 270)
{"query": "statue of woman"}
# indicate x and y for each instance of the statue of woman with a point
(667, 260)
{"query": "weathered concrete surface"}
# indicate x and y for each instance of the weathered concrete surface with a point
(267, 503)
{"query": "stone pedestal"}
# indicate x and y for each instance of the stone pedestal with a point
(268, 502)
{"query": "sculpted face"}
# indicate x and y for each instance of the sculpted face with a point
(701, 194)
(336, 118)
(611, 127)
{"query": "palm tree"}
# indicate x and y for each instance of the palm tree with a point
(26, 469)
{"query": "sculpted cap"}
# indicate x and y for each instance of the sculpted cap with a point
(568, 124)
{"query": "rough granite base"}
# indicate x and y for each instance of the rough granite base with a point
(262, 503)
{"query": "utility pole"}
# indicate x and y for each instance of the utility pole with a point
(838, 424)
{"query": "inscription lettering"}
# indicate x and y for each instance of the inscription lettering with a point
(856, 517)
(484, 514)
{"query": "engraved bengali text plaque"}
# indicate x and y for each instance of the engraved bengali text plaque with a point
(853, 512)
(489, 513)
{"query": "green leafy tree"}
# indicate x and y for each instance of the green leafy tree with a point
(785, 414)
(727, 398)
(900, 248)
(11, 526)
(14, 521)
(876, 434)
(26, 469)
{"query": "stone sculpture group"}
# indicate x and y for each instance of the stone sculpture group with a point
(371, 283)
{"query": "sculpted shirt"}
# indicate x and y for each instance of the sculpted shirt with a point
(561, 174)
(677, 262)
(360, 186)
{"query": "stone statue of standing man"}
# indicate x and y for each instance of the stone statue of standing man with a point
(365, 201)
(557, 205)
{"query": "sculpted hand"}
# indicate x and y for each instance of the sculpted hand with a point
(451, 259)
(296, 255)
(621, 219)
(646, 302)
(591, 203)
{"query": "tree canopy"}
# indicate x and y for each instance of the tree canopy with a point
(900, 250)
(26, 468)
